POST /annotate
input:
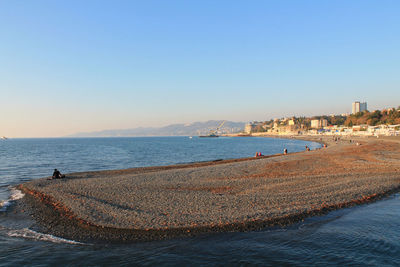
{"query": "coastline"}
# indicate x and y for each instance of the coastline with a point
(228, 195)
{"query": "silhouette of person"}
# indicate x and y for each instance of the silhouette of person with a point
(57, 174)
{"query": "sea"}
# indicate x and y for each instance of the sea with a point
(366, 235)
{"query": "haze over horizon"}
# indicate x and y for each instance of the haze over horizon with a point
(83, 66)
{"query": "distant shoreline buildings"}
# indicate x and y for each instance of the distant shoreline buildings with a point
(361, 123)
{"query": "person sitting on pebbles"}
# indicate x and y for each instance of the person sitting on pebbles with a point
(57, 174)
(258, 154)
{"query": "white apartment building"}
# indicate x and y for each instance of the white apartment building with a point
(317, 124)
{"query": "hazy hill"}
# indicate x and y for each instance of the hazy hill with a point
(192, 129)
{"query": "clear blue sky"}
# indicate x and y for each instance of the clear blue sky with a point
(70, 66)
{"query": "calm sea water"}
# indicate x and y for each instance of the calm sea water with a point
(364, 235)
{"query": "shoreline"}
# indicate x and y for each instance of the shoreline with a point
(248, 182)
(83, 231)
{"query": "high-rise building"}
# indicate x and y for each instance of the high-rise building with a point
(355, 107)
(358, 107)
(363, 106)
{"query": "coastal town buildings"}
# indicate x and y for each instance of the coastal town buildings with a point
(276, 123)
(358, 107)
(385, 122)
(248, 127)
(317, 124)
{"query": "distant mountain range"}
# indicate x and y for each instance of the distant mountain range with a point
(192, 129)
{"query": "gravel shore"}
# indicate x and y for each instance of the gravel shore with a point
(234, 195)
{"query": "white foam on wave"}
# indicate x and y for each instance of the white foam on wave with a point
(30, 234)
(15, 195)
(4, 204)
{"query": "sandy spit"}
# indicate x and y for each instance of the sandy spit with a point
(234, 195)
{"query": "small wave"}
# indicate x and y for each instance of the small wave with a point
(30, 234)
(15, 194)
(4, 204)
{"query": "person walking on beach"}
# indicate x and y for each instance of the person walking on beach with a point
(57, 174)
(285, 151)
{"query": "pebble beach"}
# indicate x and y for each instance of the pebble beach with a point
(229, 195)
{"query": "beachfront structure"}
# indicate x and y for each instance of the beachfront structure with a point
(385, 130)
(252, 126)
(358, 107)
(317, 124)
(248, 127)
